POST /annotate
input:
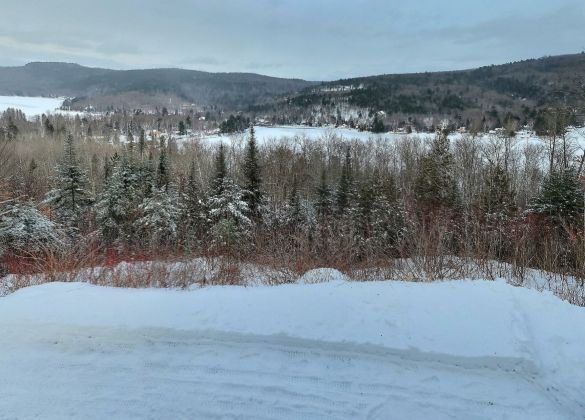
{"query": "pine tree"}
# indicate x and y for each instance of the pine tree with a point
(70, 199)
(163, 170)
(252, 176)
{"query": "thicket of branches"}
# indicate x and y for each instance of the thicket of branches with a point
(72, 193)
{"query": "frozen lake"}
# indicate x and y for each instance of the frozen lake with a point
(266, 135)
(31, 106)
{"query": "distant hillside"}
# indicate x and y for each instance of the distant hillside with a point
(489, 96)
(105, 87)
(492, 93)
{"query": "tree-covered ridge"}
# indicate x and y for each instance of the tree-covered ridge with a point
(491, 94)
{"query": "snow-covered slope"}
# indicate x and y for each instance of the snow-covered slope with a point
(466, 349)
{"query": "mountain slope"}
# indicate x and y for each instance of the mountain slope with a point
(231, 90)
(516, 90)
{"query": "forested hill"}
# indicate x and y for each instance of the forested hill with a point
(515, 90)
(489, 96)
(103, 87)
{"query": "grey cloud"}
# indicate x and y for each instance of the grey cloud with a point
(315, 40)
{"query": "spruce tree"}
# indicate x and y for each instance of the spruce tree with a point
(117, 207)
(70, 199)
(323, 201)
(343, 195)
(193, 210)
(294, 211)
(252, 176)
(388, 221)
(158, 220)
(24, 229)
(561, 197)
(182, 128)
(497, 197)
(378, 126)
(130, 142)
(228, 212)
(163, 168)
(435, 186)
(142, 143)
(217, 183)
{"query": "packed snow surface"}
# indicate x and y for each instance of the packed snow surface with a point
(337, 349)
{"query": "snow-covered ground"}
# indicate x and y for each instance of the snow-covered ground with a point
(337, 349)
(31, 106)
(266, 135)
(35, 106)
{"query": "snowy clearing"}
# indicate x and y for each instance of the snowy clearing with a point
(444, 350)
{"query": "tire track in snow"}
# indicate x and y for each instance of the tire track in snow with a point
(162, 373)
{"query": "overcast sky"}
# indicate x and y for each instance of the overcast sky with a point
(310, 39)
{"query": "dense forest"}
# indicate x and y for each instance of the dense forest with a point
(74, 194)
(513, 94)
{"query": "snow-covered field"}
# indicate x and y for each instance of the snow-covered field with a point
(385, 350)
(35, 106)
(31, 106)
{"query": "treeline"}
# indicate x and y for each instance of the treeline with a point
(293, 203)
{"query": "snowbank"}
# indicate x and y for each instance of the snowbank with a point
(489, 330)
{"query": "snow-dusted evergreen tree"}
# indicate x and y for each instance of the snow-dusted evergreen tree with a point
(561, 197)
(159, 217)
(345, 190)
(141, 144)
(361, 219)
(163, 169)
(378, 218)
(323, 202)
(193, 210)
(146, 169)
(23, 229)
(295, 217)
(228, 211)
(497, 198)
(252, 176)
(117, 207)
(70, 198)
(217, 183)
(435, 186)
(130, 142)
(388, 219)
